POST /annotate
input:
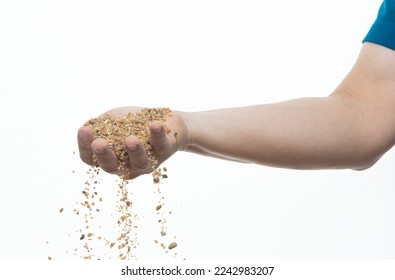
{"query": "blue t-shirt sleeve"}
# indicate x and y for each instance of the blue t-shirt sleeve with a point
(382, 31)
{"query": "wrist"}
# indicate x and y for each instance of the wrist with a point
(184, 137)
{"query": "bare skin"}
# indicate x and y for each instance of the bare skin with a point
(351, 128)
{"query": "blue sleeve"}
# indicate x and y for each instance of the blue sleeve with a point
(382, 31)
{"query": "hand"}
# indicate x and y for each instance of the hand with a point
(163, 145)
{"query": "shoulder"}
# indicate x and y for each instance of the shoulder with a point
(382, 31)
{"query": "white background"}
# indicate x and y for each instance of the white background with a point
(63, 62)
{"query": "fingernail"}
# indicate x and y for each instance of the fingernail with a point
(82, 134)
(97, 150)
(132, 147)
(157, 129)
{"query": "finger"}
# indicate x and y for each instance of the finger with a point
(158, 138)
(106, 158)
(85, 139)
(138, 158)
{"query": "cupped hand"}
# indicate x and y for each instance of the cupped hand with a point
(163, 144)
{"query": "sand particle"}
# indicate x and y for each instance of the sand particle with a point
(172, 245)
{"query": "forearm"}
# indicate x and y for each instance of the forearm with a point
(308, 133)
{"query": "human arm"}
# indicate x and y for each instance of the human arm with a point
(351, 128)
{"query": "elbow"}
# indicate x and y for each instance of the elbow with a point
(369, 160)
(372, 146)
(364, 165)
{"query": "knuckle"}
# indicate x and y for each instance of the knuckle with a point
(159, 146)
(110, 169)
(86, 159)
(143, 167)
